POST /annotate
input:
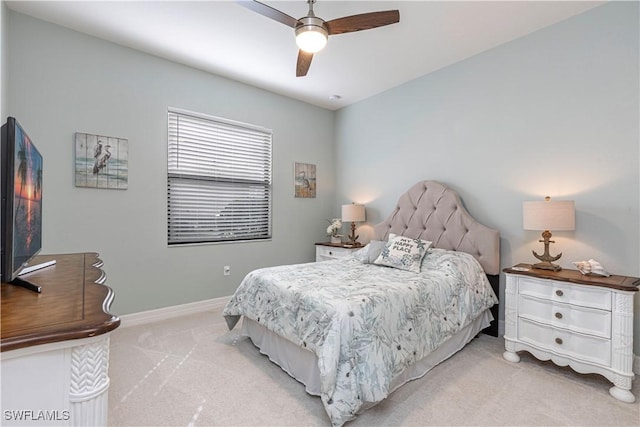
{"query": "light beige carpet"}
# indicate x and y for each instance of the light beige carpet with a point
(192, 371)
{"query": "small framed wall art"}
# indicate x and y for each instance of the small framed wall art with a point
(101, 161)
(304, 175)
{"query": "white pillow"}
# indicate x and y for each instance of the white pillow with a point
(370, 253)
(403, 253)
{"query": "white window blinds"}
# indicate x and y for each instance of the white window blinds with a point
(219, 180)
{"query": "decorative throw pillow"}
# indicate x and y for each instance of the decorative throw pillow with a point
(403, 253)
(370, 253)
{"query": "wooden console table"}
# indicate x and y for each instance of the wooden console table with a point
(55, 345)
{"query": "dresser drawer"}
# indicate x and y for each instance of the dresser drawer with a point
(562, 292)
(572, 317)
(325, 253)
(573, 345)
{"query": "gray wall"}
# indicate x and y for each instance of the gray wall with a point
(554, 113)
(62, 82)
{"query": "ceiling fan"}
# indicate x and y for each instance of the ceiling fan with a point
(312, 32)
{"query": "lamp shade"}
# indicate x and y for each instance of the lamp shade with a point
(353, 213)
(549, 215)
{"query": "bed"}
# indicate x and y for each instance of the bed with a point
(354, 330)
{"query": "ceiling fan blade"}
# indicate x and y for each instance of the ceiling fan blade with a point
(269, 12)
(364, 21)
(304, 61)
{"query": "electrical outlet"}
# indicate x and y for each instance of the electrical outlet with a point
(227, 270)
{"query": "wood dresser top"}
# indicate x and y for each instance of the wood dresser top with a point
(73, 303)
(622, 283)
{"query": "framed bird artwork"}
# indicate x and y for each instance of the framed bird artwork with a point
(101, 161)
(304, 179)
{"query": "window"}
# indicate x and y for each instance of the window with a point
(218, 181)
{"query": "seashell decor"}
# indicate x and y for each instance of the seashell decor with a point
(591, 267)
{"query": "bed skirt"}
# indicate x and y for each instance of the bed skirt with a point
(302, 364)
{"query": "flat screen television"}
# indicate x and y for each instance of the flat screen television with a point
(21, 201)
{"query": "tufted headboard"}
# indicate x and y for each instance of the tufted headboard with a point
(432, 211)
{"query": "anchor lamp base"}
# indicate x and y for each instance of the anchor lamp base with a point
(546, 259)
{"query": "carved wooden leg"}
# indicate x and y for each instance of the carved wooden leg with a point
(621, 389)
(622, 347)
(510, 319)
(622, 394)
(90, 384)
(510, 353)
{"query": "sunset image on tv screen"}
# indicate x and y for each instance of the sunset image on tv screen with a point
(27, 204)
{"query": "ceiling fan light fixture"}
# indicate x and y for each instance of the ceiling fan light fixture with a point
(311, 41)
(312, 35)
(312, 32)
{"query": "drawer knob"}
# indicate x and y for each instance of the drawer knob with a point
(559, 315)
(559, 293)
(330, 253)
(558, 340)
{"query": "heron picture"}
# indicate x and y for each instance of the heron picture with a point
(102, 161)
(304, 179)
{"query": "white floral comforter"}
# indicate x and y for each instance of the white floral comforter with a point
(364, 322)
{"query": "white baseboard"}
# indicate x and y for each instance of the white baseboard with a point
(143, 317)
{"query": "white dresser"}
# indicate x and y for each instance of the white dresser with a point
(327, 251)
(54, 359)
(585, 322)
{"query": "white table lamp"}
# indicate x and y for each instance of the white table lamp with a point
(353, 213)
(548, 216)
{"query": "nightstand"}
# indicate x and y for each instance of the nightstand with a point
(326, 251)
(583, 321)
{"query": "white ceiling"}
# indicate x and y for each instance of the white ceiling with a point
(227, 39)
